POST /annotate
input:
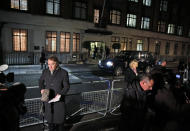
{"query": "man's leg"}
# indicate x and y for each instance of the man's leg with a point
(41, 65)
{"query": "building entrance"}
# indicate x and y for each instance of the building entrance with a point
(97, 50)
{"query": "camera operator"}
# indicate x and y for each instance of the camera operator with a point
(12, 100)
(168, 101)
(11, 106)
(2, 75)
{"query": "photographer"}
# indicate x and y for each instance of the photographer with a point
(11, 106)
(168, 101)
(2, 75)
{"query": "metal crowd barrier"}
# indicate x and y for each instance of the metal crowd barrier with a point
(116, 96)
(81, 103)
(95, 101)
(32, 115)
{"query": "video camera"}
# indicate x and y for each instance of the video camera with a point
(14, 94)
(6, 78)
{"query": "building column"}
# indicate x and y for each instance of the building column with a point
(58, 42)
(148, 42)
(1, 44)
(71, 46)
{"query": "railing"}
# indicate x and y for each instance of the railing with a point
(18, 58)
(116, 96)
(32, 116)
(81, 103)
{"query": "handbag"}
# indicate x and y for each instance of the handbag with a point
(45, 95)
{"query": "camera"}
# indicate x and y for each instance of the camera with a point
(178, 76)
(6, 78)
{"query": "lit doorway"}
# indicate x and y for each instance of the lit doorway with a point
(97, 49)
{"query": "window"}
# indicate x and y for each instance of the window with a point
(115, 39)
(96, 15)
(131, 20)
(76, 42)
(179, 30)
(183, 49)
(130, 44)
(161, 26)
(65, 38)
(123, 43)
(145, 23)
(19, 4)
(115, 17)
(133, 0)
(80, 10)
(147, 2)
(175, 49)
(139, 45)
(20, 39)
(157, 48)
(171, 29)
(167, 48)
(164, 5)
(53, 7)
(51, 38)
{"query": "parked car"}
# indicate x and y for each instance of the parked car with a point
(118, 64)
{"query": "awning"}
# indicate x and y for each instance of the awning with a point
(95, 31)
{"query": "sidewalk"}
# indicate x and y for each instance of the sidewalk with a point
(107, 123)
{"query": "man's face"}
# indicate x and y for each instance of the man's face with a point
(52, 65)
(150, 85)
(147, 85)
(164, 63)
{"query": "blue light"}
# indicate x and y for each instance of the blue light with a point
(109, 63)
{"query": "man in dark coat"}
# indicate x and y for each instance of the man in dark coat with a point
(43, 58)
(11, 105)
(134, 104)
(56, 80)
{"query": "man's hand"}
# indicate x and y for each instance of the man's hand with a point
(57, 96)
(42, 91)
(55, 99)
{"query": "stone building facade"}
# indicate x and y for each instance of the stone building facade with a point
(63, 26)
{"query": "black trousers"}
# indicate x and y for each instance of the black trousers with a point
(56, 127)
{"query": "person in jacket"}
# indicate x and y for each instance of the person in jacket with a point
(56, 80)
(170, 105)
(131, 72)
(11, 106)
(134, 106)
(43, 59)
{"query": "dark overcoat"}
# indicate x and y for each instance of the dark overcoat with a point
(130, 75)
(133, 108)
(58, 83)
